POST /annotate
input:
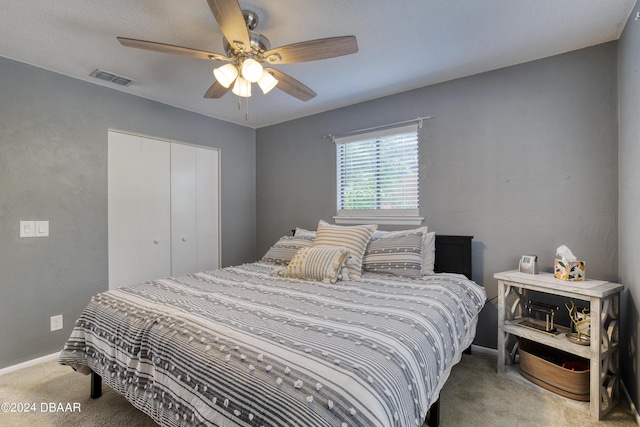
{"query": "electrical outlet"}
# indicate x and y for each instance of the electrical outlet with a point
(56, 322)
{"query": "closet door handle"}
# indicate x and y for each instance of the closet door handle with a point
(184, 239)
(156, 241)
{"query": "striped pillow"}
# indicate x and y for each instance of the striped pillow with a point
(428, 245)
(284, 249)
(400, 255)
(321, 264)
(354, 239)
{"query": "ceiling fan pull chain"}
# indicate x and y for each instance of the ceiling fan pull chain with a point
(246, 111)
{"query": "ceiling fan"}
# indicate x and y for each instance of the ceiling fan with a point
(247, 50)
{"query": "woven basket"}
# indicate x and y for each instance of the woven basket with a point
(542, 365)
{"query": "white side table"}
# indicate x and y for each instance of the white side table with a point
(603, 352)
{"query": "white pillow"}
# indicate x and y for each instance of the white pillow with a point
(302, 232)
(428, 254)
(354, 238)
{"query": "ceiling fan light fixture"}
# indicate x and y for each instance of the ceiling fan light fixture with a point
(267, 82)
(251, 70)
(226, 74)
(242, 87)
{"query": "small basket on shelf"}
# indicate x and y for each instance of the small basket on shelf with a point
(555, 370)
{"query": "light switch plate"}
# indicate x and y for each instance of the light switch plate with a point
(27, 228)
(42, 229)
(56, 322)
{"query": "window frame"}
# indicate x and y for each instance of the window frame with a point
(376, 216)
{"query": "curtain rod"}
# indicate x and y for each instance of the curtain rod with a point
(418, 119)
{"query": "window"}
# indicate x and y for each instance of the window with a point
(377, 177)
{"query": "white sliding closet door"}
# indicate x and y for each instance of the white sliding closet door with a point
(156, 234)
(163, 209)
(184, 227)
(138, 209)
(194, 209)
(207, 183)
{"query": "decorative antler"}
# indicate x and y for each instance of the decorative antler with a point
(577, 322)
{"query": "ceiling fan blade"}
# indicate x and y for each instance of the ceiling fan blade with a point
(228, 15)
(216, 91)
(312, 50)
(289, 85)
(168, 48)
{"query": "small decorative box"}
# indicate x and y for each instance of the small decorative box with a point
(569, 270)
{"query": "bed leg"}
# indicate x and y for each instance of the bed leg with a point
(96, 385)
(433, 416)
(468, 350)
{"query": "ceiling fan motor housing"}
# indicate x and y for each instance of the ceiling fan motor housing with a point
(251, 18)
(259, 43)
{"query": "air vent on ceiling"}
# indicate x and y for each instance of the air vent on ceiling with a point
(110, 77)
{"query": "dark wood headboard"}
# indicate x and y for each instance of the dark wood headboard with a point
(453, 254)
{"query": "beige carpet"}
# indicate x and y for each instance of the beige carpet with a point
(473, 396)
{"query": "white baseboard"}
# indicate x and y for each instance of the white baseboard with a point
(29, 363)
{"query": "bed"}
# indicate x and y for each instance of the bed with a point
(245, 346)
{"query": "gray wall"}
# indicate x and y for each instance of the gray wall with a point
(629, 208)
(523, 158)
(53, 166)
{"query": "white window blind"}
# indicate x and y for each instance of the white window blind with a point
(377, 174)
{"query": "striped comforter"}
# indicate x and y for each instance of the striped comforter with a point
(240, 347)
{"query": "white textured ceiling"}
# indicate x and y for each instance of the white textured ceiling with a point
(403, 44)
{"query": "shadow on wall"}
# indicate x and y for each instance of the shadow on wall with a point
(477, 261)
(629, 347)
(485, 336)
